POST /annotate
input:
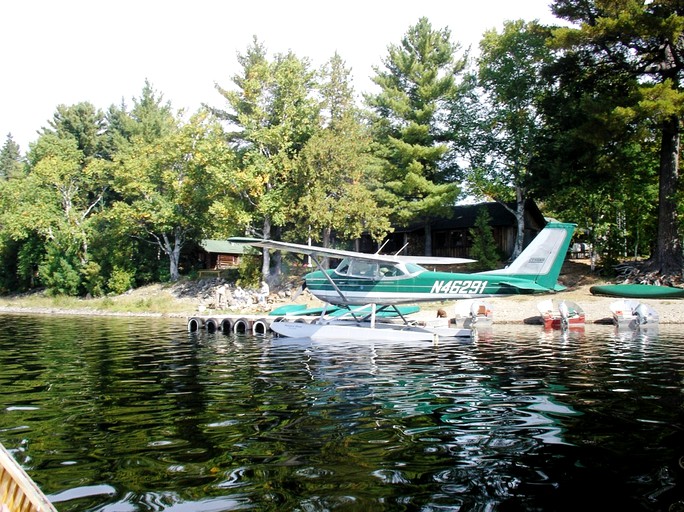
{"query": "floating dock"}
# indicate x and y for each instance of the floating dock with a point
(239, 324)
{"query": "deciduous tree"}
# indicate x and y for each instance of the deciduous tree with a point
(273, 114)
(511, 88)
(168, 185)
(646, 40)
(338, 175)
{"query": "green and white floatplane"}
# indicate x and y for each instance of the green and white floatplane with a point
(378, 281)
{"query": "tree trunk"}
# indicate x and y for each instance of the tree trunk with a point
(520, 223)
(173, 252)
(266, 261)
(428, 238)
(327, 234)
(668, 257)
(519, 214)
(277, 268)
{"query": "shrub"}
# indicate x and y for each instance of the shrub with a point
(59, 273)
(93, 281)
(120, 281)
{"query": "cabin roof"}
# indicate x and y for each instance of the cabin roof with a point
(222, 247)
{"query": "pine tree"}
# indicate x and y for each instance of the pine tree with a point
(645, 40)
(483, 248)
(11, 162)
(417, 82)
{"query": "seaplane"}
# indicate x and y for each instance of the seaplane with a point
(369, 284)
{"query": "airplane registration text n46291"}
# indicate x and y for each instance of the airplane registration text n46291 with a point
(457, 286)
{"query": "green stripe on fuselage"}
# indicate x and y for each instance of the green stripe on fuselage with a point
(427, 285)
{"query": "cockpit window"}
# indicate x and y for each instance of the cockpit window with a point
(391, 271)
(343, 267)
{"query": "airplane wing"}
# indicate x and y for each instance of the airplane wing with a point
(312, 250)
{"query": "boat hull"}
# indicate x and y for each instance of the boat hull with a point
(557, 322)
(638, 291)
(17, 491)
(352, 331)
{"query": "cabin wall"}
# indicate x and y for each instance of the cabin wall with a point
(451, 243)
(456, 243)
(214, 261)
(451, 237)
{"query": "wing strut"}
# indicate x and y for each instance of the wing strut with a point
(327, 276)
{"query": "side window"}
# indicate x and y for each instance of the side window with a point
(363, 268)
(343, 267)
(390, 271)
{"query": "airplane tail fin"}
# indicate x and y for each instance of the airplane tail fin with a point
(541, 261)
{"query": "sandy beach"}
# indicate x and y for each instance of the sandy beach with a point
(518, 309)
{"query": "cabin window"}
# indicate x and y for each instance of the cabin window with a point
(360, 268)
(390, 271)
(412, 268)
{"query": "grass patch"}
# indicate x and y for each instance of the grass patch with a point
(154, 301)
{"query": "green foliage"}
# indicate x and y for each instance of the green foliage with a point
(60, 272)
(8, 266)
(275, 113)
(93, 280)
(83, 124)
(120, 280)
(416, 84)
(19, 262)
(29, 255)
(168, 187)
(338, 175)
(11, 162)
(483, 248)
(510, 120)
(249, 271)
(643, 41)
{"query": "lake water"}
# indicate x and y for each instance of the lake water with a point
(137, 414)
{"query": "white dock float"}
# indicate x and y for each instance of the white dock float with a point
(238, 324)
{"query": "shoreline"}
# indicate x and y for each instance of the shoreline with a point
(516, 309)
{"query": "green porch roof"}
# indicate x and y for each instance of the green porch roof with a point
(222, 247)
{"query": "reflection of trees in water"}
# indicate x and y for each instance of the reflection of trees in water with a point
(519, 419)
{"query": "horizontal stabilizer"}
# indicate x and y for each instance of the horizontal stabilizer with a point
(532, 286)
(525, 285)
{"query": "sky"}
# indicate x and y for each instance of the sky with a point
(101, 51)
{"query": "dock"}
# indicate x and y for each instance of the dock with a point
(238, 324)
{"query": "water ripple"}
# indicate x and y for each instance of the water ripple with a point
(122, 415)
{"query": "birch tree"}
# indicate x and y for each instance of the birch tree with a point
(511, 89)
